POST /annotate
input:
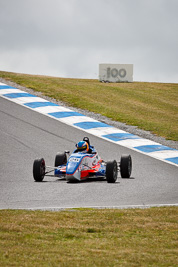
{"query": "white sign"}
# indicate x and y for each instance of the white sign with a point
(116, 73)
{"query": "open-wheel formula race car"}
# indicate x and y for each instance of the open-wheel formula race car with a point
(82, 164)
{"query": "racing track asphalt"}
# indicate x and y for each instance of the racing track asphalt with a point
(26, 135)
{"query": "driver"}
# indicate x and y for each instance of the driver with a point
(85, 147)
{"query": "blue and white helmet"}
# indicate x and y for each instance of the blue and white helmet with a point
(83, 146)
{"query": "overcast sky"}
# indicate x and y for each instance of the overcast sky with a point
(69, 38)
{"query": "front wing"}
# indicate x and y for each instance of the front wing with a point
(85, 171)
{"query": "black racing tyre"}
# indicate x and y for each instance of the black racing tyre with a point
(39, 168)
(60, 159)
(126, 166)
(111, 171)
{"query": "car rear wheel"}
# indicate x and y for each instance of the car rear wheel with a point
(39, 170)
(60, 159)
(111, 171)
(126, 166)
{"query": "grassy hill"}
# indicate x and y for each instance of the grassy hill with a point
(150, 106)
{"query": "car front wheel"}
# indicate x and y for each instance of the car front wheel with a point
(111, 171)
(39, 170)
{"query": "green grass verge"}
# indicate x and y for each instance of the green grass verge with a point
(150, 106)
(89, 237)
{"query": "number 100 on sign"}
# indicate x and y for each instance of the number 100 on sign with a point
(116, 72)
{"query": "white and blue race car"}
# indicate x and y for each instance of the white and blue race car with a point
(81, 165)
